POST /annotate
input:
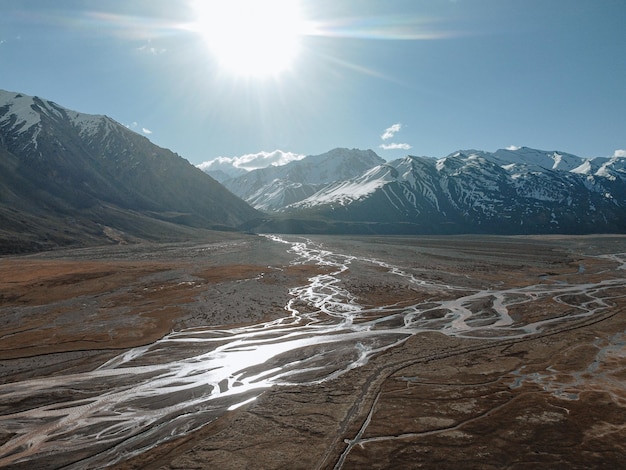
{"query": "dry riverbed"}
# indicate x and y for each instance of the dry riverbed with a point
(554, 399)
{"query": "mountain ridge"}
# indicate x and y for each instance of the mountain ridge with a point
(69, 178)
(61, 164)
(516, 191)
(274, 187)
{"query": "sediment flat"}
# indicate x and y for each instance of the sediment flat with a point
(552, 399)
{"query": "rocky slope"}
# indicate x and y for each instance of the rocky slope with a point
(274, 187)
(68, 177)
(505, 192)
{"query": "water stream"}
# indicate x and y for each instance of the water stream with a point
(189, 378)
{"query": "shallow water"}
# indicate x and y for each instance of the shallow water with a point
(189, 378)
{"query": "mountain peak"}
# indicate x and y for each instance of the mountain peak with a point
(472, 191)
(273, 188)
(18, 112)
(550, 160)
(22, 116)
(70, 172)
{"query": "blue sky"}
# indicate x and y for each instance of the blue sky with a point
(439, 75)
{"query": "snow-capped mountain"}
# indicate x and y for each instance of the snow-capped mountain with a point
(66, 175)
(274, 187)
(507, 191)
(23, 119)
(530, 157)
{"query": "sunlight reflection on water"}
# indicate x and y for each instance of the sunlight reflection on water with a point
(192, 377)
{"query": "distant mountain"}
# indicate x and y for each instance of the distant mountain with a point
(221, 175)
(521, 191)
(68, 177)
(275, 187)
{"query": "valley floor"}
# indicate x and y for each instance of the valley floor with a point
(554, 398)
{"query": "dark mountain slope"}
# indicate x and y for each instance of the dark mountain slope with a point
(69, 173)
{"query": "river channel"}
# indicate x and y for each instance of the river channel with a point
(189, 378)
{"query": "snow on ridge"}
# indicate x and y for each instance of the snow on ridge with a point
(27, 112)
(344, 192)
(604, 172)
(557, 160)
(549, 160)
(89, 124)
(584, 169)
(20, 106)
(51, 109)
(609, 168)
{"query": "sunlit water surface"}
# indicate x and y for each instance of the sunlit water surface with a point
(189, 378)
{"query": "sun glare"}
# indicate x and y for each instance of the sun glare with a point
(250, 37)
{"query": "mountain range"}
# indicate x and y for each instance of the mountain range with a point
(71, 178)
(275, 187)
(510, 191)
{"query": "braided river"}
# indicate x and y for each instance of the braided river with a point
(154, 393)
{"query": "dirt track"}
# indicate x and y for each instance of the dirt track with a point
(554, 400)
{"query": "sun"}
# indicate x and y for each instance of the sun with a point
(251, 38)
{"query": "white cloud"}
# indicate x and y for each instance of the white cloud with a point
(513, 147)
(146, 131)
(215, 164)
(391, 131)
(395, 146)
(251, 161)
(619, 153)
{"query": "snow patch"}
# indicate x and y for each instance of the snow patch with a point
(583, 169)
(20, 108)
(89, 124)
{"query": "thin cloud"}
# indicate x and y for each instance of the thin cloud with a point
(513, 147)
(391, 131)
(151, 50)
(619, 153)
(395, 146)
